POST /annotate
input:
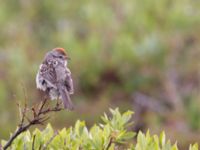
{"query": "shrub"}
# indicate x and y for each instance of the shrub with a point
(112, 134)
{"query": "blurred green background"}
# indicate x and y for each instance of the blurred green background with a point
(140, 55)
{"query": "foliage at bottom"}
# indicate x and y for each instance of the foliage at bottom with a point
(112, 134)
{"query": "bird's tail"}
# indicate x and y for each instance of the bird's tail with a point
(65, 97)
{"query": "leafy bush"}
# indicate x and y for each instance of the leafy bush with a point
(112, 134)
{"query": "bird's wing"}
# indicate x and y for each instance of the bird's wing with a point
(64, 77)
(48, 73)
(69, 82)
(64, 85)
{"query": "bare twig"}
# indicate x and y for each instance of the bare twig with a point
(38, 118)
(109, 144)
(33, 142)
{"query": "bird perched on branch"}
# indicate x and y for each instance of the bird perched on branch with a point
(54, 77)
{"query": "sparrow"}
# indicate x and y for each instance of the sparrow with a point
(54, 77)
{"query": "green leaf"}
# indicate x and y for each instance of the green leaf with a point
(194, 147)
(162, 139)
(113, 130)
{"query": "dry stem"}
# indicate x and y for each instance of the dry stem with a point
(39, 116)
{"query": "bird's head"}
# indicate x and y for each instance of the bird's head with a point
(58, 54)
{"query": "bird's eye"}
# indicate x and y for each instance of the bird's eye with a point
(55, 62)
(60, 57)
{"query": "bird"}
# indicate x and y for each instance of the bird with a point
(54, 77)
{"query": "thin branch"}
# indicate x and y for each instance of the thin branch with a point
(33, 142)
(109, 144)
(38, 118)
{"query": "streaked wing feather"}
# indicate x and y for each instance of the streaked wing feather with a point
(69, 82)
(48, 73)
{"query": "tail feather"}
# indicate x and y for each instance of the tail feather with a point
(66, 98)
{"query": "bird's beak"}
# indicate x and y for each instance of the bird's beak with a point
(68, 58)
